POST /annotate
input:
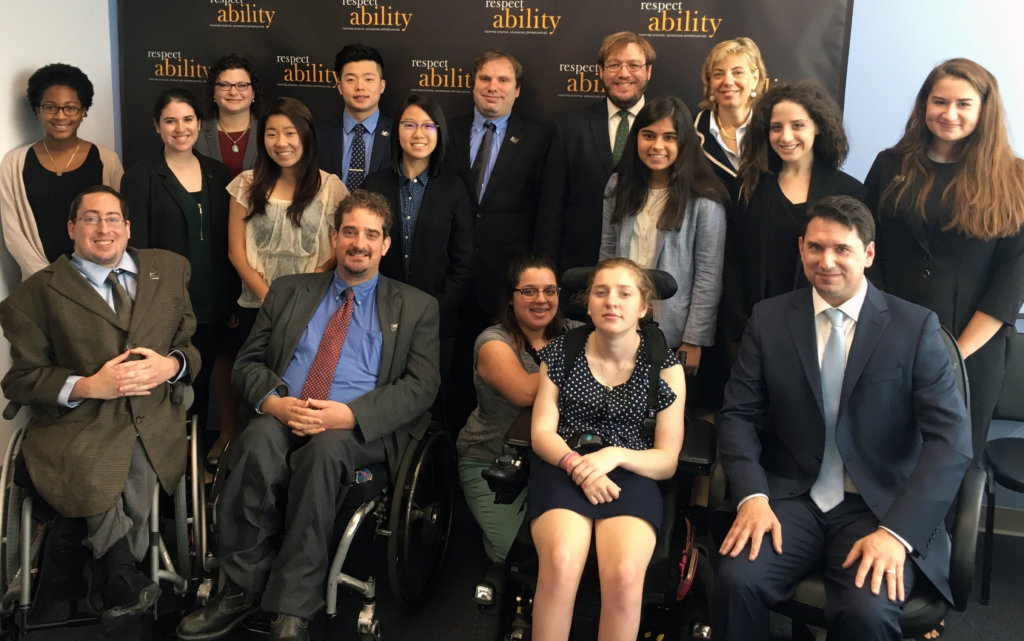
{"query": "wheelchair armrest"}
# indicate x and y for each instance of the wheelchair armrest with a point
(12, 409)
(964, 535)
(719, 486)
(508, 474)
(518, 434)
(698, 445)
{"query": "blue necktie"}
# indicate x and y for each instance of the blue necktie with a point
(357, 163)
(827, 491)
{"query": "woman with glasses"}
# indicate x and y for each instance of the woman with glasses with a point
(179, 202)
(505, 375)
(234, 93)
(432, 238)
(664, 209)
(39, 181)
(282, 211)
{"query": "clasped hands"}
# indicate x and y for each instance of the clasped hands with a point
(123, 377)
(881, 554)
(310, 416)
(590, 472)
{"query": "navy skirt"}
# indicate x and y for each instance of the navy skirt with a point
(551, 488)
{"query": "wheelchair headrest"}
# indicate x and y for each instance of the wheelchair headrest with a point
(574, 281)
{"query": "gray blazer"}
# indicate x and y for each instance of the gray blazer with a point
(408, 379)
(208, 145)
(693, 256)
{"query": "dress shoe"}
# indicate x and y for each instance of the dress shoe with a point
(229, 607)
(126, 593)
(285, 627)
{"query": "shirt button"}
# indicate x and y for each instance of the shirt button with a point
(926, 273)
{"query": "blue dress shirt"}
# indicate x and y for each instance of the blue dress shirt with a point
(476, 134)
(410, 191)
(347, 124)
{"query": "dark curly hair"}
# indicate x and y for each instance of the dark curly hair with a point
(224, 63)
(58, 74)
(830, 144)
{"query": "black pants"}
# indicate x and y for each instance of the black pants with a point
(277, 483)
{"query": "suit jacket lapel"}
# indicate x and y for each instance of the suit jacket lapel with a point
(599, 130)
(381, 143)
(801, 327)
(389, 309)
(874, 317)
(509, 146)
(72, 284)
(175, 190)
(146, 284)
(306, 299)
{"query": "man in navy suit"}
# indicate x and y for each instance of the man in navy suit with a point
(361, 130)
(844, 438)
(583, 154)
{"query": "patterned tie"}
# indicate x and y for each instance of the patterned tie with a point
(321, 372)
(483, 156)
(621, 134)
(357, 163)
(827, 491)
(122, 302)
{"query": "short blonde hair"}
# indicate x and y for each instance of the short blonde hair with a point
(737, 46)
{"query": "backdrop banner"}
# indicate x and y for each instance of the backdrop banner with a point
(429, 47)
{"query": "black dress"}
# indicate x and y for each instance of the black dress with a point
(50, 196)
(614, 413)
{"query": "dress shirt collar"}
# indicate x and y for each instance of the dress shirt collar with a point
(97, 274)
(359, 292)
(403, 179)
(633, 111)
(499, 123)
(851, 307)
(348, 122)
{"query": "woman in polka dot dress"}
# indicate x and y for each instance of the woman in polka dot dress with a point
(611, 493)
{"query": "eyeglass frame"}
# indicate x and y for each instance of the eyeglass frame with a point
(540, 290)
(617, 65)
(94, 221)
(227, 86)
(51, 109)
(412, 126)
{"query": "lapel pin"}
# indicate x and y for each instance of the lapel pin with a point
(394, 327)
(154, 275)
(385, 132)
(514, 139)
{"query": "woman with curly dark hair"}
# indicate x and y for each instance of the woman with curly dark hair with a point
(38, 181)
(233, 89)
(791, 158)
(949, 205)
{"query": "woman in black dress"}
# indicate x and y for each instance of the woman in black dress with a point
(611, 494)
(949, 205)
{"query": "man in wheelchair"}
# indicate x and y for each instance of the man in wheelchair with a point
(844, 439)
(340, 368)
(98, 340)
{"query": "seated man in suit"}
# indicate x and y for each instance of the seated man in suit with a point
(585, 148)
(844, 438)
(341, 368)
(98, 339)
(356, 144)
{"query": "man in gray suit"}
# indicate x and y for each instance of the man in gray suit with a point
(287, 471)
(99, 341)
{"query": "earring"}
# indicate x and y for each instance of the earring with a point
(588, 312)
(753, 94)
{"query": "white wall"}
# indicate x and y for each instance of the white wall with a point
(895, 43)
(33, 34)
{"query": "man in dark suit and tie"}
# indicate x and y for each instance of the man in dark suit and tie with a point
(357, 144)
(844, 438)
(341, 368)
(99, 340)
(499, 153)
(585, 148)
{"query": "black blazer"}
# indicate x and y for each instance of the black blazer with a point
(945, 271)
(715, 154)
(572, 196)
(157, 212)
(746, 268)
(505, 217)
(330, 151)
(442, 250)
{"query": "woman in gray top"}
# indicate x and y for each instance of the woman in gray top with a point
(505, 377)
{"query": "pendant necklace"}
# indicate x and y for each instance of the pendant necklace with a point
(235, 141)
(60, 172)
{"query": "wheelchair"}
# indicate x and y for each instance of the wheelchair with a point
(414, 511)
(678, 566)
(27, 525)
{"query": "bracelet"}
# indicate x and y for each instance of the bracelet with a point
(568, 456)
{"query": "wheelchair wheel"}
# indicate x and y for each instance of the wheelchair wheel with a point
(10, 514)
(421, 515)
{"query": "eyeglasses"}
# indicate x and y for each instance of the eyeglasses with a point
(530, 293)
(92, 221)
(226, 86)
(410, 126)
(51, 109)
(632, 65)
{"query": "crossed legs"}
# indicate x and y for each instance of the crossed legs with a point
(624, 548)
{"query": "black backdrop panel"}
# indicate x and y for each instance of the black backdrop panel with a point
(429, 46)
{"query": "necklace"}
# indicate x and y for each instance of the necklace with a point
(722, 130)
(235, 141)
(60, 172)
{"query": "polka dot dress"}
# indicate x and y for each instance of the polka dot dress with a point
(614, 413)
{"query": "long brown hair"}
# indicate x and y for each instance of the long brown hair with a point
(266, 171)
(987, 192)
(507, 316)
